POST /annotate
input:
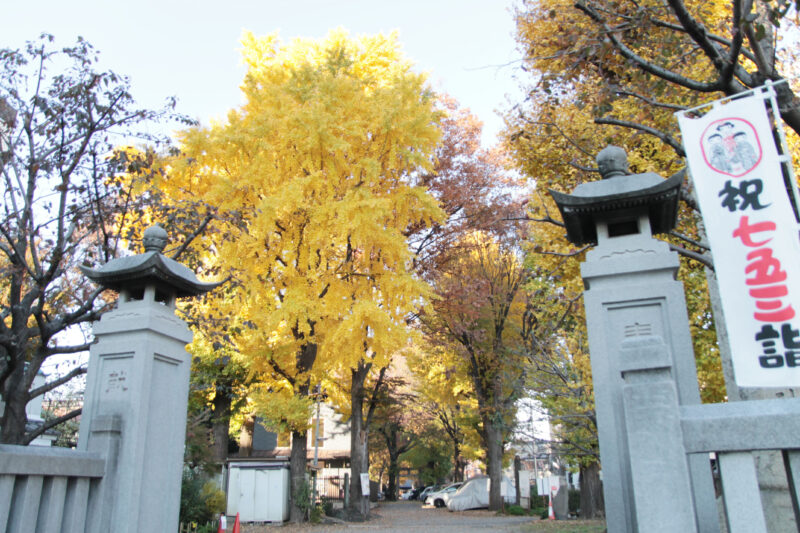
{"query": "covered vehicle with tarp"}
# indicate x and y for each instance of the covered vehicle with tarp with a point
(474, 494)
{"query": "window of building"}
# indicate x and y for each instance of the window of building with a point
(284, 439)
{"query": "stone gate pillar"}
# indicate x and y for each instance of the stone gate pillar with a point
(640, 347)
(139, 374)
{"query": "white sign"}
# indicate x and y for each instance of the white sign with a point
(364, 484)
(524, 483)
(543, 485)
(753, 235)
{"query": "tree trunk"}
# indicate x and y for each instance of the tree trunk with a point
(389, 433)
(359, 455)
(494, 462)
(391, 491)
(221, 425)
(16, 399)
(246, 436)
(297, 472)
(458, 462)
(458, 474)
(298, 458)
(591, 491)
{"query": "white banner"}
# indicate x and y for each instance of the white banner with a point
(753, 235)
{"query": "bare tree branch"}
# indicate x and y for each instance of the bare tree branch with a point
(665, 138)
(200, 229)
(700, 258)
(624, 92)
(50, 385)
(683, 237)
(29, 437)
(642, 63)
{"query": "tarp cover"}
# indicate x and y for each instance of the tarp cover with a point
(474, 494)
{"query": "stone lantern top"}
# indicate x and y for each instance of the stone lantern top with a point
(151, 268)
(154, 239)
(612, 161)
(618, 194)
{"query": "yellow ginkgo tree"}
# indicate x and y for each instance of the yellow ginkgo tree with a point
(312, 178)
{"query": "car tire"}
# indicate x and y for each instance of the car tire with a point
(438, 503)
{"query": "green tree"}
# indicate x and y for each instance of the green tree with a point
(218, 392)
(444, 388)
(560, 378)
(430, 456)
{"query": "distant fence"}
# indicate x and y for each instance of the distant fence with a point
(58, 490)
(331, 487)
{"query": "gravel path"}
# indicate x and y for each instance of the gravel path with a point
(405, 517)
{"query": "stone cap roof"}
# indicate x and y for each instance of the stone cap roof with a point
(150, 268)
(648, 191)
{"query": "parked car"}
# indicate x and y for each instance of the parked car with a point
(415, 492)
(427, 491)
(404, 490)
(439, 498)
(474, 494)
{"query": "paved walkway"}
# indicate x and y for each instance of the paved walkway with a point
(405, 517)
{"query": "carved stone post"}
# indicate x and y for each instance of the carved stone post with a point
(662, 489)
(641, 350)
(137, 387)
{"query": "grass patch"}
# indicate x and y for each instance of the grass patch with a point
(566, 526)
(515, 510)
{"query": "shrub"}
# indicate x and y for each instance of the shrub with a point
(200, 499)
(214, 498)
(208, 528)
(515, 510)
(327, 506)
(574, 501)
(302, 498)
(316, 514)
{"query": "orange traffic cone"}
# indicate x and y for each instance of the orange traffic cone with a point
(550, 514)
(236, 524)
(223, 524)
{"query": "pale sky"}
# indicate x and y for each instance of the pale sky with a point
(190, 49)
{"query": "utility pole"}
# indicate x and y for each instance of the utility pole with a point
(316, 448)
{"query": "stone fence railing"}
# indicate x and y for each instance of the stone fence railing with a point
(52, 489)
(735, 430)
(667, 441)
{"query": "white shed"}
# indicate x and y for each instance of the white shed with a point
(258, 491)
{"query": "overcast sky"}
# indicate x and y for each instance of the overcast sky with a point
(190, 49)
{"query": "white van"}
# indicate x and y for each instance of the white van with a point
(474, 494)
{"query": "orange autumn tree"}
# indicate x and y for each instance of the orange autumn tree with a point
(478, 317)
(312, 177)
